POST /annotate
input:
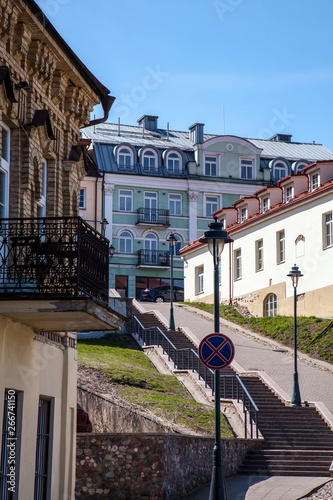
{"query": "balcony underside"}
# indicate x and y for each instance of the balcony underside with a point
(68, 315)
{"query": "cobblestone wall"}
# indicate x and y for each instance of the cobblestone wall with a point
(149, 466)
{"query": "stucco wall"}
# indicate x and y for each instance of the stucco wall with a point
(150, 466)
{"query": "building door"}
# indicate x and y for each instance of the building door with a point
(151, 249)
(150, 207)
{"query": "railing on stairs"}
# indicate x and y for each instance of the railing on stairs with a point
(232, 386)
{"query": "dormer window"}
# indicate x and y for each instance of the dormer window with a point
(125, 158)
(174, 162)
(247, 168)
(280, 170)
(289, 193)
(265, 204)
(211, 166)
(149, 160)
(314, 181)
(243, 214)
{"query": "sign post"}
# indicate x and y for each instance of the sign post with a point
(216, 351)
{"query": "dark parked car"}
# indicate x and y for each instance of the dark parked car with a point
(162, 294)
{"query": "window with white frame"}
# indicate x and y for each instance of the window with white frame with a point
(327, 230)
(237, 264)
(265, 204)
(243, 214)
(299, 167)
(175, 204)
(82, 199)
(270, 305)
(174, 162)
(314, 180)
(280, 170)
(289, 193)
(199, 279)
(149, 160)
(4, 171)
(211, 166)
(211, 204)
(125, 242)
(259, 255)
(125, 158)
(280, 247)
(41, 203)
(247, 168)
(125, 200)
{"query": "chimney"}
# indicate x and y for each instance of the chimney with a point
(197, 132)
(148, 122)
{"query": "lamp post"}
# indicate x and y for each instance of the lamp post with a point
(216, 238)
(171, 240)
(295, 274)
(111, 251)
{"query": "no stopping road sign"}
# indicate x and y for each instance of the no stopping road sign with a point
(216, 351)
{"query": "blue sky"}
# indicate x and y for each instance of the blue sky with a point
(251, 68)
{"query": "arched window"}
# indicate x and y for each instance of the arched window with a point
(125, 157)
(149, 160)
(280, 170)
(151, 251)
(174, 162)
(270, 305)
(298, 166)
(125, 242)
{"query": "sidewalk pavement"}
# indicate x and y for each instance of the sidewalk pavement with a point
(265, 488)
(256, 353)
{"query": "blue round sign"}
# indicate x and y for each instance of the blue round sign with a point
(216, 351)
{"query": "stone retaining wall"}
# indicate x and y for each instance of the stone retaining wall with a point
(150, 466)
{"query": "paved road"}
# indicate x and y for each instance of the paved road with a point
(253, 353)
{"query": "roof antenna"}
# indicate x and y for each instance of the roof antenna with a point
(118, 125)
(168, 131)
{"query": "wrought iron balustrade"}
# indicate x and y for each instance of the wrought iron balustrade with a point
(153, 258)
(152, 216)
(60, 256)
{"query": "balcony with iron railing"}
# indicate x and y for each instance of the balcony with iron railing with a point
(152, 217)
(53, 259)
(153, 258)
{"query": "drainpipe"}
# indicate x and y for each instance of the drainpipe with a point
(106, 103)
(96, 182)
(230, 273)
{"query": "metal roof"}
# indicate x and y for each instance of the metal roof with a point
(292, 150)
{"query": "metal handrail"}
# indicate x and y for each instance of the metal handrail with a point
(188, 359)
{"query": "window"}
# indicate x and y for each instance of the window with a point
(10, 444)
(125, 158)
(174, 162)
(151, 252)
(270, 305)
(289, 193)
(328, 230)
(149, 161)
(4, 172)
(280, 241)
(259, 255)
(175, 204)
(247, 168)
(237, 264)
(243, 214)
(314, 181)
(41, 203)
(43, 451)
(211, 205)
(265, 204)
(176, 246)
(199, 279)
(211, 166)
(125, 200)
(82, 199)
(125, 242)
(280, 170)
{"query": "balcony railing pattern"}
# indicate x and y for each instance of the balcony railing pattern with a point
(152, 216)
(153, 258)
(61, 256)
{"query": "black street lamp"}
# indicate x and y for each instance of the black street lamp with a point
(216, 238)
(171, 240)
(295, 274)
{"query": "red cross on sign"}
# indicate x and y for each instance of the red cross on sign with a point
(216, 351)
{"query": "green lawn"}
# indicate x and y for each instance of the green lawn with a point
(137, 381)
(281, 328)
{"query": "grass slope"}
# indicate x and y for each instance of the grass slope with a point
(281, 328)
(137, 381)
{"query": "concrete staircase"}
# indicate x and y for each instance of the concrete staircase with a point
(297, 441)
